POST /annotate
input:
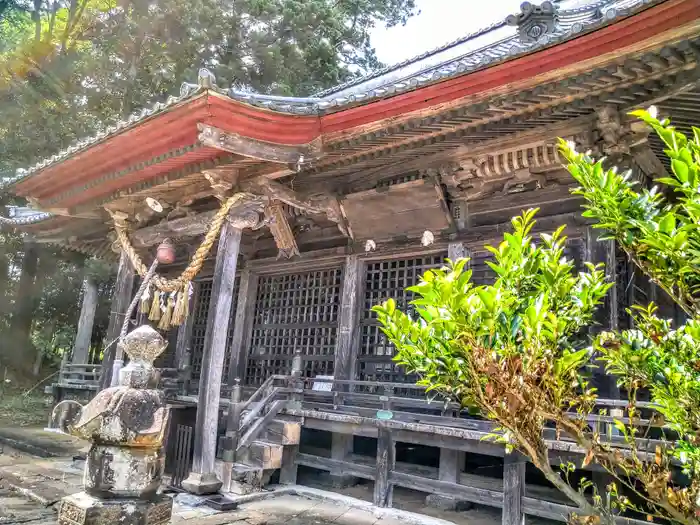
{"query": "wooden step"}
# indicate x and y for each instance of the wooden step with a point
(264, 455)
(283, 432)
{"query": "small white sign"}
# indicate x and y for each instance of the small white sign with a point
(323, 386)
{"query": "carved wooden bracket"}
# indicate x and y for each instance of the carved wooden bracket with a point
(220, 182)
(281, 231)
(323, 204)
(513, 170)
(257, 149)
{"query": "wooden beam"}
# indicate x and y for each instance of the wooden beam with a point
(257, 149)
(324, 204)
(202, 479)
(246, 215)
(184, 331)
(348, 324)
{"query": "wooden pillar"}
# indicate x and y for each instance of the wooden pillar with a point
(245, 310)
(81, 347)
(123, 288)
(202, 479)
(348, 324)
(184, 331)
(346, 357)
(513, 489)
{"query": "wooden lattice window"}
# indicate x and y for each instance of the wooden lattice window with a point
(295, 311)
(199, 327)
(383, 280)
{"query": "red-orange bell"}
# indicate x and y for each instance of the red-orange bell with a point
(166, 252)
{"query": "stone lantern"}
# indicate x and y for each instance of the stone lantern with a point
(126, 425)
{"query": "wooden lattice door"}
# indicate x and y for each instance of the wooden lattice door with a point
(294, 311)
(199, 327)
(384, 280)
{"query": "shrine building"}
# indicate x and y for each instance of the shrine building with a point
(278, 369)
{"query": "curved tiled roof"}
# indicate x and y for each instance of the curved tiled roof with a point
(495, 43)
(20, 216)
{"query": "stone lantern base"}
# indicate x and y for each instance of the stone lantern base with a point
(84, 509)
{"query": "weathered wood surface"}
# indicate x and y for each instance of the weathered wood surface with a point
(247, 291)
(205, 438)
(478, 489)
(81, 347)
(184, 331)
(243, 215)
(258, 149)
(123, 289)
(513, 489)
(348, 324)
(402, 209)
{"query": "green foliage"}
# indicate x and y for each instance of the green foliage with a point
(660, 231)
(511, 350)
(515, 350)
(530, 315)
(660, 234)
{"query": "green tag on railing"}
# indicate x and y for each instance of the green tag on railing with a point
(385, 414)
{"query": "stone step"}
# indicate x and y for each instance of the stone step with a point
(240, 478)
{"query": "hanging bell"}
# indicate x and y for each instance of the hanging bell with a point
(166, 252)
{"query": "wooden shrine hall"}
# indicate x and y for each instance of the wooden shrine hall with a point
(346, 198)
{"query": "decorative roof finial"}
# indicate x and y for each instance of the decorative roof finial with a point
(206, 79)
(535, 21)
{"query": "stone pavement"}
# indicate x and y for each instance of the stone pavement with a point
(30, 488)
(289, 509)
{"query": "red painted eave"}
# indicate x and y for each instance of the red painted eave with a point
(95, 171)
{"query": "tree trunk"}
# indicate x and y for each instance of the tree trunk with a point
(36, 16)
(24, 304)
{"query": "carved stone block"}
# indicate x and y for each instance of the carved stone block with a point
(113, 471)
(84, 509)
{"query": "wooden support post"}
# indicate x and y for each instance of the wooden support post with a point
(348, 324)
(245, 309)
(83, 338)
(123, 288)
(183, 352)
(202, 479)
(288, 472)
(386, 461)
(296, 382)
(233, 423)
(513, 489)
(451, 465)
(342, 449)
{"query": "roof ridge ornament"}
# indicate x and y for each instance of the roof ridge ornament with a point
(534, 22)
(206, 79)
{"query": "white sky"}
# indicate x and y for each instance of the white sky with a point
(439, 22)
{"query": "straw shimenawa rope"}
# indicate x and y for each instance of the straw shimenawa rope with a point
(173, 309)
(195, 265)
